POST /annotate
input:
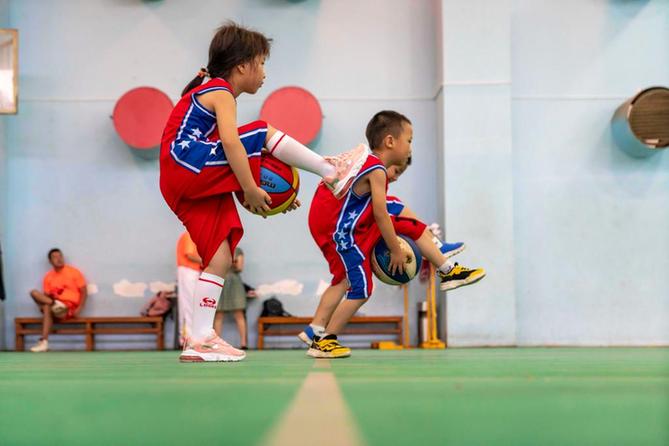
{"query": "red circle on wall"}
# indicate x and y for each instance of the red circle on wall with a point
(295, 111)
(140, 116)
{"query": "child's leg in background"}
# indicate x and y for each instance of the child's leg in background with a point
(218, 322)
(240, 319)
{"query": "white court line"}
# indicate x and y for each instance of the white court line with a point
(317, 416)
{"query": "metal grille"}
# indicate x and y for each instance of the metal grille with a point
(649, 117)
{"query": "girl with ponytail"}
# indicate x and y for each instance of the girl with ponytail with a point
(205, 157)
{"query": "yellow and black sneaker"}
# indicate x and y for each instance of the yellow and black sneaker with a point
(328, 347)
(460, 276)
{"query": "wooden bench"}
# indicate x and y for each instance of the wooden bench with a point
(291, 325)
(91, 326)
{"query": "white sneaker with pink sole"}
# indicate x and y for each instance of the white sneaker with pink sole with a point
(347, 166)
(211, 349)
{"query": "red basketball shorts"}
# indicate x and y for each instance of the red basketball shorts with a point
(203, 200)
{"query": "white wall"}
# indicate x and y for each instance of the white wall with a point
(571, 230)
(592, 245)
(4, 23)
(477, 167)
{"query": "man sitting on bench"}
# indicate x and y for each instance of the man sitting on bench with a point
(63, 297)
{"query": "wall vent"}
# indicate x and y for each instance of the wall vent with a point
(641, 124)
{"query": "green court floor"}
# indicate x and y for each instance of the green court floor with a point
(613, 396)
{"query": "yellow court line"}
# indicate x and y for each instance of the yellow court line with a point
(322, 364)
(317, 415)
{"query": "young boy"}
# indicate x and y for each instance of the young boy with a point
(346, 230)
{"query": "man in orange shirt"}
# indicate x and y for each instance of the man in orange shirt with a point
(63, 297)
(189, 267)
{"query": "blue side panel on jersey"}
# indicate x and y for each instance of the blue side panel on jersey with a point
(394, 207)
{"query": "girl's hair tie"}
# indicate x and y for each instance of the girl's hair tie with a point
(203, 72)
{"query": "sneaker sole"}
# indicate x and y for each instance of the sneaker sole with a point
(317, 354)
(449, 254)
(343, 190)
(193, 356)
(460, 283)
(339, 192)
(304, 338)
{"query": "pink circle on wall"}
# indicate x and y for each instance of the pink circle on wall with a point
(140, 116)
(295, 111)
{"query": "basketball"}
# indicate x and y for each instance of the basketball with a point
(381, 261)
(279, 180)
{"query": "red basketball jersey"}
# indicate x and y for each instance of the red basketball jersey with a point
(190, 146)
(344, 221)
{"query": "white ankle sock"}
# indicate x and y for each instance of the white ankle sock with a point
(318, 330)
(446, 267)
(205, 297)
(297, 154)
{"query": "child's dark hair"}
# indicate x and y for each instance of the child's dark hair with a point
(232, 45)
(386, 122)
(51, 251)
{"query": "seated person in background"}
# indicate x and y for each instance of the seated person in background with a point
(64, 295)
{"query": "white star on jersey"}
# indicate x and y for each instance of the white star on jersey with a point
(184, 144)
(352, 215)
(341, 233)
(212, 151)
(342, 244)
(197, 132)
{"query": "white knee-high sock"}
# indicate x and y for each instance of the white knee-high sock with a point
(297, 154)
(206, 295)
